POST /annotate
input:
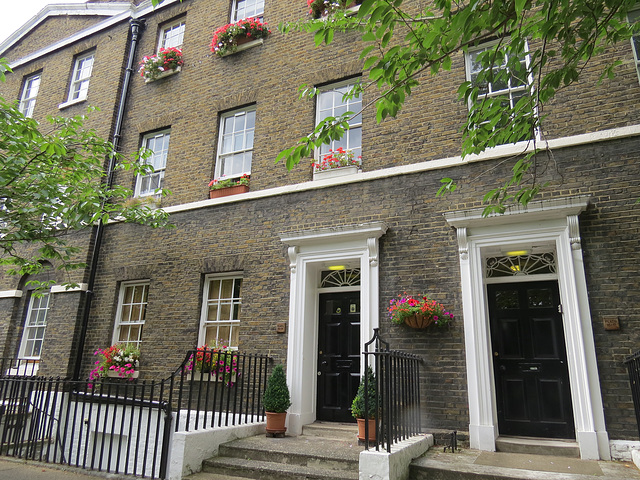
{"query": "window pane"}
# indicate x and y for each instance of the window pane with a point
(132, 310)
(331, 104)
(222, 309)
(172, 36)
(34, 326)
(236, 144)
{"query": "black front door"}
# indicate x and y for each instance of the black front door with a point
(530, 360)
(338, 355)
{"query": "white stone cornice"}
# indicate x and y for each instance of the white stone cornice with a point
(539, 209)
(340, 233)
(10, 293)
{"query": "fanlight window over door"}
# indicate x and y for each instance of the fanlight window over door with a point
(340, 278)
(530, 264)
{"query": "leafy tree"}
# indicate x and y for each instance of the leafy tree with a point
(52, 182)
(403, 43)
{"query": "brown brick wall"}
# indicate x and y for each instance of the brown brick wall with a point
(419, 251)
(418, 254)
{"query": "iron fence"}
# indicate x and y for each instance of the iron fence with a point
(125, 427)
(397, 377)
(633, 366)
(219, 388)
(110, 427)
(18, 367)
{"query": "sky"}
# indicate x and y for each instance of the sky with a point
(19, 11)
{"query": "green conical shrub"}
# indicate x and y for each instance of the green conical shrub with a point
(357, 406)
(276, 396)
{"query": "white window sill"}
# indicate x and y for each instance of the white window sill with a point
(336, 172)
(71, 102)
(168, 73)
(245, 46)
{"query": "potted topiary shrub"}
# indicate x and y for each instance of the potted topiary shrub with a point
(276, 401)
(368, 412)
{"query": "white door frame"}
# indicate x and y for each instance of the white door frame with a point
(551, 222)
(310, 252)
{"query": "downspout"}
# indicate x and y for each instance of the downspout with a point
(136, 30)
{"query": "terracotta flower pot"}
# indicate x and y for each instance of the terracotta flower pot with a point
(275, 422)
(361, 429)
(223, 192)
(418, 320)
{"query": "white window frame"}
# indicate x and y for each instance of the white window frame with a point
(498, 93)
(159, 161)
(634, 17)
(172, 34)
(337, 90)
(82, 68)
(29, 93)
(247, 9)
(32, 324)
(234, 311)
(246, 150)
(130, 321)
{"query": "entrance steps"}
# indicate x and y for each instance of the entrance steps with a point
(538, 446)
(467, 464)
(322, 452)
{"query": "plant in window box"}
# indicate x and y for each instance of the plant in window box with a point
(118, 361)
(227, 38)
(221, 187)
(418, 312)
(336, 159)
(166, 61)
(215, 363)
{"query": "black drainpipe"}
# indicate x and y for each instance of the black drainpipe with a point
(136, 30)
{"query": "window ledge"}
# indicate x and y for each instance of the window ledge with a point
(71, 102)
(168, 73)
(336, 172)
(245, 46)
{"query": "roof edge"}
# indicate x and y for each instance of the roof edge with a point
(97, 9)
(116, 12)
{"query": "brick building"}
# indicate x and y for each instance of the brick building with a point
(237, 267)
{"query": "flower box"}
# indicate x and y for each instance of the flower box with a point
(166, 62)
(224, 192)
(234, 37)
(336, 172)
(112, 374)
(244, 45)
(208, 377)
(166, 73)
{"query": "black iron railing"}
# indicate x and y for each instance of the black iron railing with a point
(633, 366)
(125, 427)
(397, 376)
(121, 428)
(11, 367)
(219, 388)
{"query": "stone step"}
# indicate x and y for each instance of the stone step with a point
(306, 452)
(538, 446)
(343, 431)
(477, 465)
(239, 467)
